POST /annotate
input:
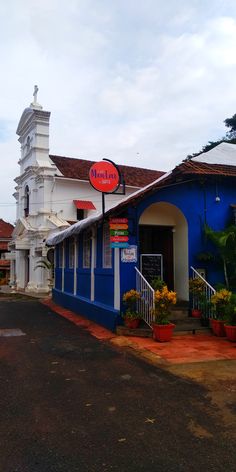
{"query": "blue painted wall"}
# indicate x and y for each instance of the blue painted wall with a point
(197, 202)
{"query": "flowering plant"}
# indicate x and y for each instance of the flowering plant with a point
(130, 299)
(164, 298)
(196, 286)
(220, 300)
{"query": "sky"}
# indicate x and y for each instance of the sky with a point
(143, 83)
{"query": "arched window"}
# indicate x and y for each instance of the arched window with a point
(26, 201)
(28, 144)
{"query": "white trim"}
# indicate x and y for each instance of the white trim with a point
(93, 264)
(63, 268)
(55, 267)
(106, 247)
(75, 263)
(117, 278)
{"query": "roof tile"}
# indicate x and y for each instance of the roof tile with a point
(6, 229)
(79, 169)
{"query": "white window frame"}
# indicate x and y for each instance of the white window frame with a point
(60, 256)
(71, 253)
(87, 249)
(106, 248)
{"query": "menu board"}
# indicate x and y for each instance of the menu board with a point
(151, 266)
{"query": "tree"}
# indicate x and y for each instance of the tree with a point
(225, 242)
(231, 123)
(230, 137)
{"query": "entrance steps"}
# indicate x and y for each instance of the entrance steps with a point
(185, 325)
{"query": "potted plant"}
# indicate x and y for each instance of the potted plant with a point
(230, 319)
(162, 327)
(220, 301)
(157, 283)
(131, 316)
(197, 289)
(204, 307)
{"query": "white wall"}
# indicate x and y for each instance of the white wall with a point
(166, 214)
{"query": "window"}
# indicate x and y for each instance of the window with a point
(26, 201)
(107, 251)
(71, 253)
(80, 214)
(61, 249)
(27, 144)
(87, 249)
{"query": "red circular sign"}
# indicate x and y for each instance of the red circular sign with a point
(104, 176)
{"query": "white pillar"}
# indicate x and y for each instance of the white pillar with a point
(75, 263)
(117, 278)
(63, 267)
(93, 264)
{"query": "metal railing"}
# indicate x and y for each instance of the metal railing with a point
(145, 304)
(208, 291)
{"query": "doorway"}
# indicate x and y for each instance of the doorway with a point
(155, 239)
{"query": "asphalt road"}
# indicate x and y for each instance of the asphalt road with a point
(71, 403)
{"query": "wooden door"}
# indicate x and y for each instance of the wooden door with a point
(159, 240)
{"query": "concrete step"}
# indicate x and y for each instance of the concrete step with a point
(180, 310)
(186, 325)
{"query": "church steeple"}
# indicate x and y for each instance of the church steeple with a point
(33, 132)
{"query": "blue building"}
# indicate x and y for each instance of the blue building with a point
(165, 219)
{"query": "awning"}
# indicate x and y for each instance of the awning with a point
(84, 205)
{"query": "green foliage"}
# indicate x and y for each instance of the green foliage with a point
(130, 299)
(231, 123)
(230, 137)
(205, 256)
(131, 315)
(1, 275)
(45, 264)
(225, 243)
(157, 283)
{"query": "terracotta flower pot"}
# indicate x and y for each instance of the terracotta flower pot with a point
(218, 327)
(230, 333)
(196, 313)
(131, 323)
(163, 333)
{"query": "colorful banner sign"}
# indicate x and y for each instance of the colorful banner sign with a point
(121, 239)
(119, 232)
(119, 245)
(118, 226)
(118, 220)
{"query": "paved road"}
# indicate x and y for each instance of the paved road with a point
(71, 403)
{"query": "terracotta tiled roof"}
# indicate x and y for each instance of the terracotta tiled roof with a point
(4, 246)
(79, 169)
(202, 168)
(5, 229)
(183, 171)
(4, 263)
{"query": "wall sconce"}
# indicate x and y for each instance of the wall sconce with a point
(217, 199)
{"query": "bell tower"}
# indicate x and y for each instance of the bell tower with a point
(33, 132)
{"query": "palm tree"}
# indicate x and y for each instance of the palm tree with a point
(224, 241)
(45, 264)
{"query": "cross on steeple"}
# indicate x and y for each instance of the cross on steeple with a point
(36, 89)
(35, 103)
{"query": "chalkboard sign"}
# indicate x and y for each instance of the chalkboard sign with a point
(151, 266)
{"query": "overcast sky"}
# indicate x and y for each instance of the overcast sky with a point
(140, 82)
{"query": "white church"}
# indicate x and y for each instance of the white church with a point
(52, 193)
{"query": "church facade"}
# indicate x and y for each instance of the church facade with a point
(52, 193)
